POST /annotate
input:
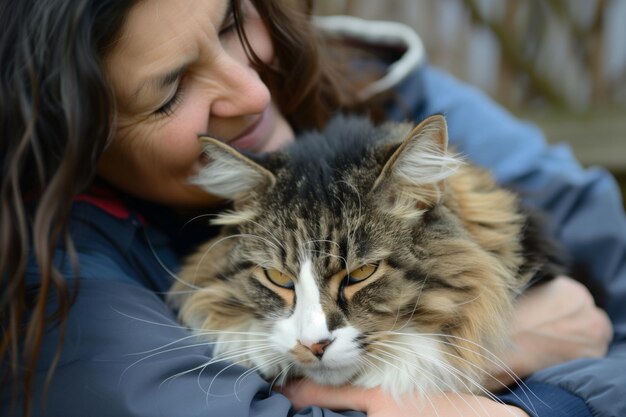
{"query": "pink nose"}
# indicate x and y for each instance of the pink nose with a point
(318, 348)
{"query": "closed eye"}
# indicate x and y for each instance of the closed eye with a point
(230, 21)
(168, 108)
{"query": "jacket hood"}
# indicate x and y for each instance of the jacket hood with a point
(379, 34)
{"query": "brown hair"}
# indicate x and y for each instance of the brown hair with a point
(56, 117)
(319, 90)
(57, 113)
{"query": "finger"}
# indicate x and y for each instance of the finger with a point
(305, 393)
(604, 326)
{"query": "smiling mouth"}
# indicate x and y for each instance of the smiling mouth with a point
(255, 135)
(250, 128)
(251, 139)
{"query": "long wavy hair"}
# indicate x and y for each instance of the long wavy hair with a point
(57, 115)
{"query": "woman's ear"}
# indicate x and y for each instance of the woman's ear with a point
(230, 174)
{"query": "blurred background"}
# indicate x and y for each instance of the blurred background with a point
(558, 63)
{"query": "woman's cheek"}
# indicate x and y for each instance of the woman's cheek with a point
(260, 40)
(178, 139)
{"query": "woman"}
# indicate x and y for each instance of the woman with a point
(102, 103)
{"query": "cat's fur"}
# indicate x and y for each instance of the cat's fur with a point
(453, 251)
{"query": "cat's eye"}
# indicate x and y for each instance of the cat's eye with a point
(362, 273)
(278, 278)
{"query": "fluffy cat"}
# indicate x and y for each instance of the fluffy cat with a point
(364, 255)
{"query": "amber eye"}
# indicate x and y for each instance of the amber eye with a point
(278, 278)
(362, 273)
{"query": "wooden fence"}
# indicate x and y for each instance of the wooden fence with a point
(565, 53)
(560, 63)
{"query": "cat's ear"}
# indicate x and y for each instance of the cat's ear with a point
(414, 176)
(229, 174)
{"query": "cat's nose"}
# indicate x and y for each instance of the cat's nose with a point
(318, 348)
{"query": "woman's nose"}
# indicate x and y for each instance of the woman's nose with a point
(242, 92)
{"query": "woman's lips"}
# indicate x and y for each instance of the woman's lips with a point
(255, 136)
(252, 138)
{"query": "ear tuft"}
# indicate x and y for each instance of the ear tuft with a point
(418, 168)
(230, 174)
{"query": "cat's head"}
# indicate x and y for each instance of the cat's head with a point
(349, 250)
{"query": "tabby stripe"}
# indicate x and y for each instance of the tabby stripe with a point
(433, 282)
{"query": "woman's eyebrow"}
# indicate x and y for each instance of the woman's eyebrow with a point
(165, 80)
(162, 81)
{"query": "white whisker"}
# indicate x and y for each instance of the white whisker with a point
(283, 379)
(417, 300)
(491, 358)
(444, 365)
(179, 374)
(162, 349)
(163, 352)
(200, 216)
(165, 268)
(230, 354)
(341, 258)
(445, 383)
(250, 371)
(212, 361)
(411, 378)
(310, 242)
(208, 390)
(268, 231)
(193, 329)
(210, 248)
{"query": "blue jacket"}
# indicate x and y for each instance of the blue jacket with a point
(125, 354)
(587, 216)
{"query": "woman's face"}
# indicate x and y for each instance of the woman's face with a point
(179, 71)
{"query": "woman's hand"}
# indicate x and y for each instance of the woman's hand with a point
(555, 322)
(375, 403)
